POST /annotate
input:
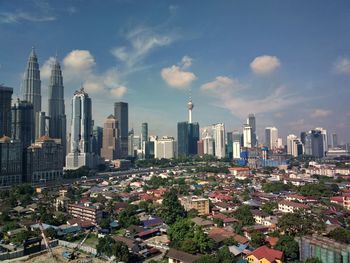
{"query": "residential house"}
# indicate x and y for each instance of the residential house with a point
(265, 255)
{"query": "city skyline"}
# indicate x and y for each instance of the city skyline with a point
(150, 63)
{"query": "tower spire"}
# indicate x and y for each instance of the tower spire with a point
(190, 106)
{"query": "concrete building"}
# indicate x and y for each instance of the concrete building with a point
(334, 140)
(209, 145)
(110, 139)
(219, 137)
(247, 136)
(23, 123)
(57, 115)
(323, 248)
(10, 162)
(86, 212)
(5, 110)
(314, 143)
(81, 153)
(251, 121)
(121, 113)
(271, 138)
(97, 140)
(32, 91)
(44, 161)
(200, 148)
(196, 203)
(294, 146)
(165, 148)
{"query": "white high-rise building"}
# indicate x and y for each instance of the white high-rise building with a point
(292, 144)
(279, 143)
(81, 151)
(219, 138)
(247, 136)
(271, 137)
(236, 150)
(208, 145)
(165, 148)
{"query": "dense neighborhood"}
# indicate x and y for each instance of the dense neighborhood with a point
(194, 211)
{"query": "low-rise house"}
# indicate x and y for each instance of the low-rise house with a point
(301, 199)
(225, 207)
(286, 206)
(343, 200)
(132, 244)
(205, 224)
(262, 218)
(221, 234)
(265, 255)
(177, 256)
(240, 173)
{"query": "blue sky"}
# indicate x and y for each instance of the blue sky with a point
(288, 62)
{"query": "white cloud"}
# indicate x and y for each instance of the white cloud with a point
(186, 62)
(176, 77)
(79, 60)
(119, 92)
(265, 64)
(227, 93)
(17, 17)
(342, 66)
(320, 113)
(142, 41)
(45, 70)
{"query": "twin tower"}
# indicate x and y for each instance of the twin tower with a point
(53, 124)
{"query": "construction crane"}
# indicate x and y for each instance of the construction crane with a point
(46, 242)
(68, 255)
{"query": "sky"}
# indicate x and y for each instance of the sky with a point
(288, 62)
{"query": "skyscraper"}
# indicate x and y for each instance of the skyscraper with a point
(81, 153)
(22, 123)
(165, 148)
(144, 140)
(271, 137)
(10, 161)
(293, 145)
(188, 134)
(334, 140)
(229, 145)
(122, 115)
(97, 140)
(236, 152)
(314, 144)
(247, 136)
(5, 110)
(57, 121)
(110, 138)
(324, 138)
(252, 123)
(219, 138)
(32, 89)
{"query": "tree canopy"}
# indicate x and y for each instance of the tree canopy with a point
(171, 208)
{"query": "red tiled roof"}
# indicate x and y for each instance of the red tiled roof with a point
(293, 204)
(268, 253)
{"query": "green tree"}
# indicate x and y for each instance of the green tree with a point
(300, 223)
(257, 239)
(192, 213)
(109, 247)
(128, 216)
(269, 207)
(340, 234)
(289, 246)
(171, 208)
(244, 215)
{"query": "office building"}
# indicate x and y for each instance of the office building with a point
(81, 153)
(44, 161)
(188, 135)
(144, 141)
(10, 162)
(200, 148)
(219, 138)
(165, 148)
(229, 145)
(334, 140)
(247, 136)
(22, 123)
(122, 115)
(56, 112)
(5, 110)
(314, 144)
(97, 140)
(252, 123)
(271, 138)
(324, 138)
(209, 145)
(32, 90)
(236, 148)
(110, 138)
(293, 143)
(131, 143)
